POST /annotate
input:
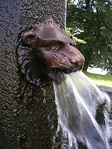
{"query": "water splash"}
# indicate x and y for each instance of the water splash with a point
(77, 100)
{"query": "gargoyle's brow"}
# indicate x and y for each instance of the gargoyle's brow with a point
(19, 35)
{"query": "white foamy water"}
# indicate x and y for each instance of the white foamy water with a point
(77, 100)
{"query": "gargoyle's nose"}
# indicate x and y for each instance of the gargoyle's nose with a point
(76, 58)
(73, 59)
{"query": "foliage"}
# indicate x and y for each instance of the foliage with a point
(76, 40)
(91, 21)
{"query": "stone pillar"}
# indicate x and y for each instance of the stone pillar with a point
(28, 117)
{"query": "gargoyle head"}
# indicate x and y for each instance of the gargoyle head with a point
(46, 47)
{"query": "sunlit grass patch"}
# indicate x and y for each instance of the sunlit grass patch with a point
(104, 80)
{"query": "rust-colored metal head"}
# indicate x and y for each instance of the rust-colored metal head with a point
(53, 47)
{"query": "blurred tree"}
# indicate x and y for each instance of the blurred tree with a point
(91, 21)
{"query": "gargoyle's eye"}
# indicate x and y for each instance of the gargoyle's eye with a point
(29, 39)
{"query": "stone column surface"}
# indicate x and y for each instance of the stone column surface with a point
(28, 118)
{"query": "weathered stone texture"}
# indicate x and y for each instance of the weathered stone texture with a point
(27, 114)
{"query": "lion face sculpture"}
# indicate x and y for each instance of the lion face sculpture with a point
(46, 47)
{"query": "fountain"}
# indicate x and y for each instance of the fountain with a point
(51, 52)
(28, 118)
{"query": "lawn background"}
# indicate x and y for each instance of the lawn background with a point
(101, 80)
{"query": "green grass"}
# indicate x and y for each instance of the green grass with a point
(104, 80)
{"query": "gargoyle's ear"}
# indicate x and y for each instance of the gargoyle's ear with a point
(28, 37)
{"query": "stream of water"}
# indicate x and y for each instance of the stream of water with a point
(77, 99)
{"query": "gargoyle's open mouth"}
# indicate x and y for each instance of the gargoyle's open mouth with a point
(50, 48)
